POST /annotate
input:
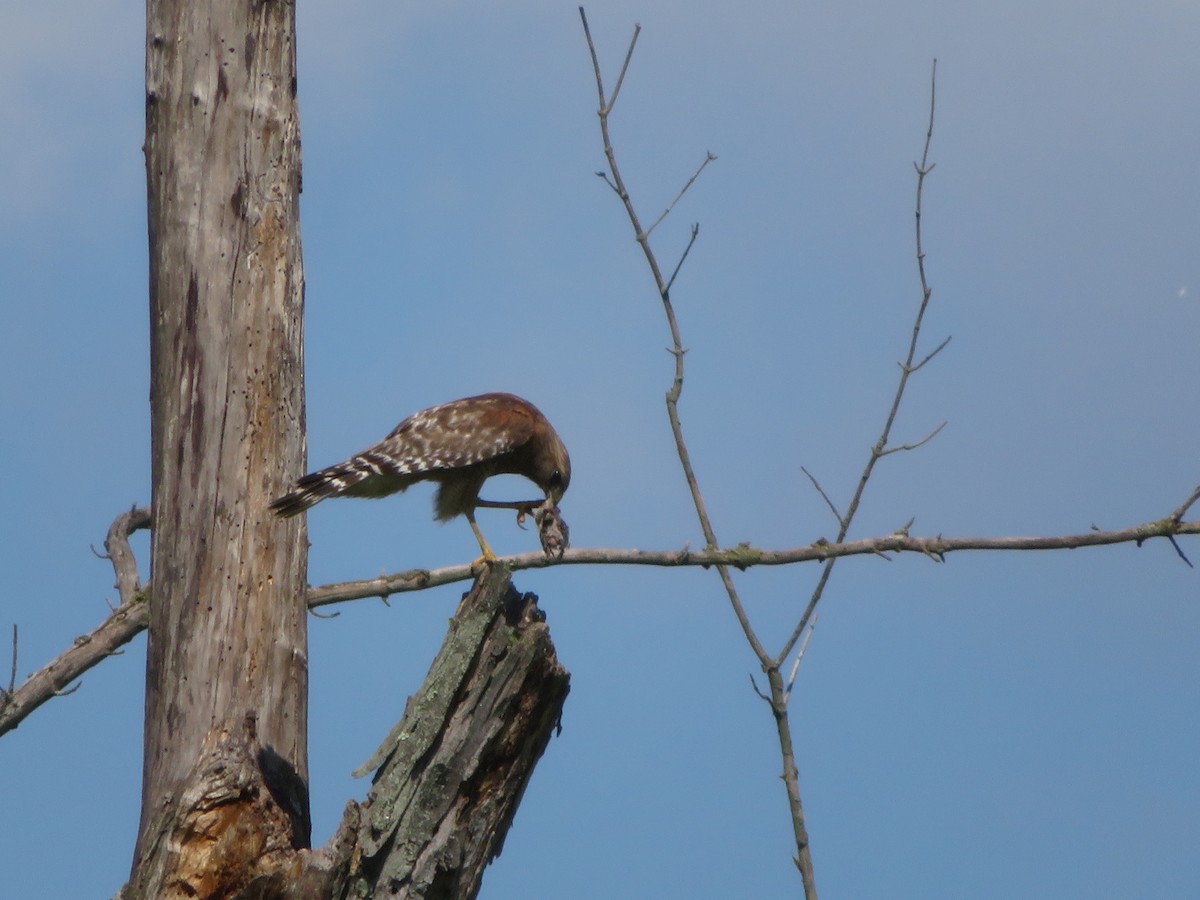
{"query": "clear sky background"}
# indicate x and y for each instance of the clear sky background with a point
(998, 726)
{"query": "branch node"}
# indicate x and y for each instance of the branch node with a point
(1177, 516)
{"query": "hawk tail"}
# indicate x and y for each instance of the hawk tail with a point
(369, 474)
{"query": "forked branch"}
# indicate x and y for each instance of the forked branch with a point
(770, 667)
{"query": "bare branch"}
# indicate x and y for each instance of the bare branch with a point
(708, 157)
(900, 448)
(1179, 550)
(770, 666)
(686, 251)
(907, 368)
(754, 685)
(606, 104)
(637, 29)
(673, 393)
(132, 617)
(116, 544)
(824, 496)
(744, 556)
(587, 32)
(12, 676)
(812, 626)
(50, 681)
(603, 176)
(791, 780)
(930, 355)
(1179, 513)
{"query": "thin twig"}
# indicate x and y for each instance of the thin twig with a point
(932, 353)
(708, 157)
(604, 177)
(824, 496)
(901, 448)
(812, 626)
(12, 676)
(612, 101)
(1179, 550)
(686, 251)
(758, 690)
(587, 32)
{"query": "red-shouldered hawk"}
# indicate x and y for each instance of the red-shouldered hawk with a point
(459, 445)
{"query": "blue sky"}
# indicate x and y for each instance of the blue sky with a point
(998, 726)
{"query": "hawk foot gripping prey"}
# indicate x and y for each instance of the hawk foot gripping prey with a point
(459, 445)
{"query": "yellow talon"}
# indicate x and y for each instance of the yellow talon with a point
(488, 556)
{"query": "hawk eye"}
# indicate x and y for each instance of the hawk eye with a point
(556, 478)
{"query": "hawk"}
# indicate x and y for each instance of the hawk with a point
(459, 445)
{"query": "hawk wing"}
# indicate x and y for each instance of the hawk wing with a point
(453, 436)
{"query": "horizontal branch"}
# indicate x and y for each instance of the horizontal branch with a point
(132, 617)
(744, 556)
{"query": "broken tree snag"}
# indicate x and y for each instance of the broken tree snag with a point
(241, 817)
(453, 770)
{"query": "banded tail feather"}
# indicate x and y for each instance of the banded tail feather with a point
(369, 474)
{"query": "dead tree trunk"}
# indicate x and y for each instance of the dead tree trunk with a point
(224, 793)
(225, 787)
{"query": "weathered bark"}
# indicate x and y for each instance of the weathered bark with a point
(224, 793)
(453, 770)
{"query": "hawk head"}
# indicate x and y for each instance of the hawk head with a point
(551, 464)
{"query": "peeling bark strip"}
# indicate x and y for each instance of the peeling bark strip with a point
(453, 770)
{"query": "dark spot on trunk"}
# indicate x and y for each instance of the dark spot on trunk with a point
(238, 201)
(193, 303)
